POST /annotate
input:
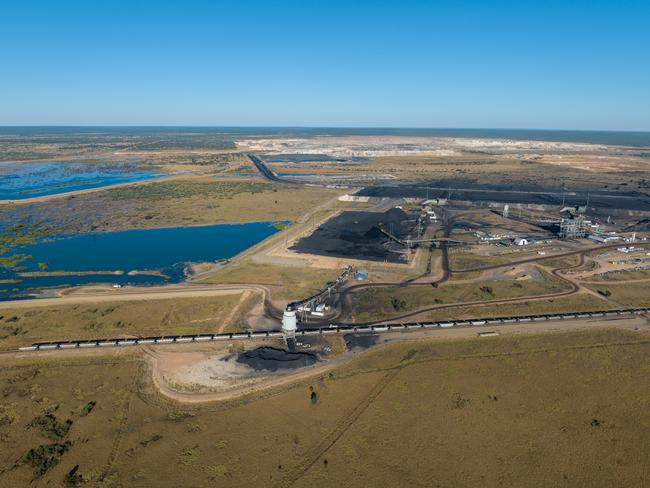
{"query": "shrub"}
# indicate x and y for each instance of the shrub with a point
(487, 290)
(88, 408)
(398, 304)
(51, 427)
(45, 457)
(152, 439)
(73, 478)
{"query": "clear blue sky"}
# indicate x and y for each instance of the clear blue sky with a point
(570, 64)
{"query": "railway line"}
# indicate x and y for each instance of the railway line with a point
(332, 329)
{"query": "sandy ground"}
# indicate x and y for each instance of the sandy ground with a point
(595, 163)
(614, 261)
(371, 146)
(202, 372)
(97, 294)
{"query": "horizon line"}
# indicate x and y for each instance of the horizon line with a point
(348, 127)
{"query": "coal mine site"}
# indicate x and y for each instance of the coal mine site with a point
(358, 235)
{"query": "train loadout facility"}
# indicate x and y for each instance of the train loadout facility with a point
(332, 329)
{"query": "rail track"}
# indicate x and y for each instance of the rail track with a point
(332, 329)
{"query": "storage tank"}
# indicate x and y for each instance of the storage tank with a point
(289, 323)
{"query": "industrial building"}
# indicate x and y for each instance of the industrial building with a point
(574, 228)
(520, 241)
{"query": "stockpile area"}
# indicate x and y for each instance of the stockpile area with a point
(358, 235)
(274, 359)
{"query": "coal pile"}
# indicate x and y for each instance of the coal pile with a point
(274, 359)
(357, 235)
(360, 341)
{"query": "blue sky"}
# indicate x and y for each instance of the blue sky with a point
(519, 64)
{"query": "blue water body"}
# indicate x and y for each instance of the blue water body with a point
(165, 250)
(32, 284)
(26, 180)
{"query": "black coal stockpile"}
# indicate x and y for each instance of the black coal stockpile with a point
(358, 235)
(361, 341)
(273, 359)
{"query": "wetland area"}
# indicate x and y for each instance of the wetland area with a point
(28, 180)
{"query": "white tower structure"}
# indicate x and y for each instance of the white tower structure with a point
(289, 323)
(506, 210)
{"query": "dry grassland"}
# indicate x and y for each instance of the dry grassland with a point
(580, 302)
(179, 202)
(627, 275)
(534, 411)
(377, 303)
(628, 294)
(177, 316)
(284, 282)
(499, 169)
(460, 261)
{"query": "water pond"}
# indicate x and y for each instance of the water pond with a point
(114, 257)
(27, 180)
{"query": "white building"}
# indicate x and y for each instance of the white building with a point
(520, 241)
(289, 323)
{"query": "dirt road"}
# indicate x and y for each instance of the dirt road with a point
(98, 294)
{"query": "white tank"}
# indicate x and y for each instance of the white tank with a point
(289, 322)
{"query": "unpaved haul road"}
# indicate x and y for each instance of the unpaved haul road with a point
(104, 294)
